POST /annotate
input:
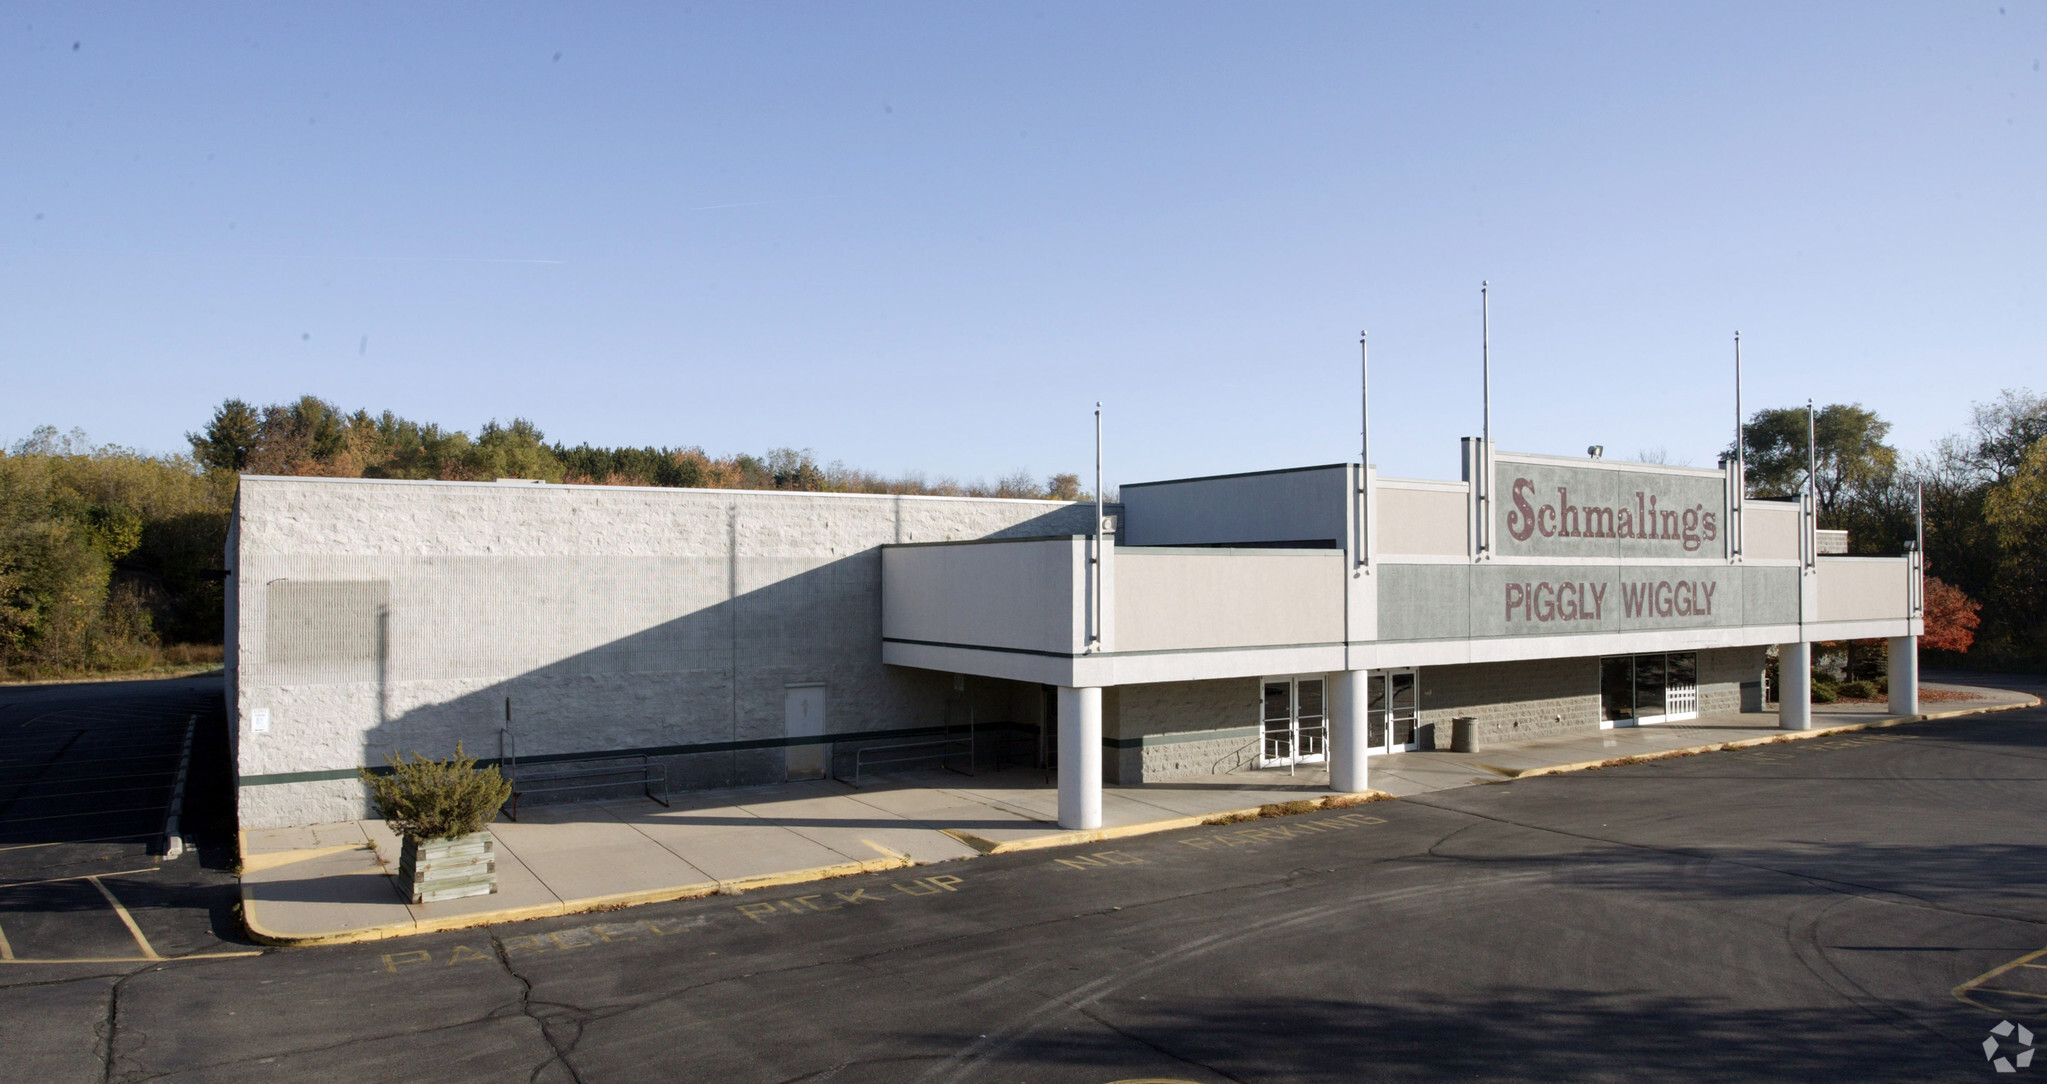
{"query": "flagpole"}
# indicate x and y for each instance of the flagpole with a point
(1485, 470)
(1740, 455)
(1364, 453)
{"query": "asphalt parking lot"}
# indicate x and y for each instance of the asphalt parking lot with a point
(86, 779)
(1860, 907)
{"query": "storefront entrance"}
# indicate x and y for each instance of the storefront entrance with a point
(1295, 722)
(1636, 690)
(1391, 701)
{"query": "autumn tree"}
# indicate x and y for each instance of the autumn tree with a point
(1951, 617)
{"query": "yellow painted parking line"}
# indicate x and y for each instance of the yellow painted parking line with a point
(137, 959)
(67, 842)
(6, 950)
(79, 877)
(1976, 985)
(127, 919)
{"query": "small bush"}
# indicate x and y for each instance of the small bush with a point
(1857, 690)
(1824, 693)
(437, 799)
(1883, 686)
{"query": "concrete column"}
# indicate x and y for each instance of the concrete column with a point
(1904, 666)
(1080, 758)
(1794, 686)
(1347, 730)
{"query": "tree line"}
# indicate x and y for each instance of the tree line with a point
(110, 558)
(312, 437)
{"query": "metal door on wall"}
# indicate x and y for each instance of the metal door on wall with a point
(1392, 711)
(1294, 721)
(803, 717)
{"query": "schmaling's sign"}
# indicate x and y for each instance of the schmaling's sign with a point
(1548, 508)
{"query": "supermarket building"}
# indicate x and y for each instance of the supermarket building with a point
(1320, 614)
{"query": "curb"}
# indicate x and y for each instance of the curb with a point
(984, 846)
(263, 935)
(1125, 831)
(1747, 743)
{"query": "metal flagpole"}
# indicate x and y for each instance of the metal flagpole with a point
(1485, 470)
(1812, 490)
(1364, 452)
(1095, 592)
(1919, 550)
(1740, 456)
(1919, 516)
(1812, 455)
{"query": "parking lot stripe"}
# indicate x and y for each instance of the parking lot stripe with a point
(6, 950)
(126, 919)
(81, 877)
(137, 959)
(69, 842)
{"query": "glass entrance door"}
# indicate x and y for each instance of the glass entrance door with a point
(1637, 689)
(1294, 722)
(1391, 711)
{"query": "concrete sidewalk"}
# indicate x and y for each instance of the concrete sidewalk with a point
(333, 883)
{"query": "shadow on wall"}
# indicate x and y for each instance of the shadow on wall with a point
(716, 677)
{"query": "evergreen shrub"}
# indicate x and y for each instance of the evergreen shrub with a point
(437, 799)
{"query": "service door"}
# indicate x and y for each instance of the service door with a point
(804, 712)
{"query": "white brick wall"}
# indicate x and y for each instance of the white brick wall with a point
(613, 617)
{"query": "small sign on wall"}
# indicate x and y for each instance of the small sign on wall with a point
(259, 721)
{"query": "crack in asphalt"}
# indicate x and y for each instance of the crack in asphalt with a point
(110, 1028)
(561, 1052)
(582, 1017)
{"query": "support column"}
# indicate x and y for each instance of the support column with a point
(1904, 673)
(1794, 686)
(1347, 730)
(1080, 758)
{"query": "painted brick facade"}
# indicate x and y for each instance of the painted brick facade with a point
(370, 617)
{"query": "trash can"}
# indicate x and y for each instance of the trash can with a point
(1464, 734)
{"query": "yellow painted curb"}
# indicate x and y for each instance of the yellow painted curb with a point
(894, 859)
(1125, 831)
(262, 934)
(1766, 739)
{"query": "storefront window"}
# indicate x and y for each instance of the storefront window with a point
(1649, 688)
(1649, 681)
(1617, 688)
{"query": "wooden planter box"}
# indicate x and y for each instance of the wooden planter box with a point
(448, 869)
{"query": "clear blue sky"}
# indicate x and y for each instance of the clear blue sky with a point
(929, 237)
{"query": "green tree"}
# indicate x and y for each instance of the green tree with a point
(1854, 462)
(2003, 430)
(2016, 509)
(793, 469)
(225, 443)
(512, 451)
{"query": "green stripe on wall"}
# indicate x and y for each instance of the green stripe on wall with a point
(1143, 741)
(649, 751)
